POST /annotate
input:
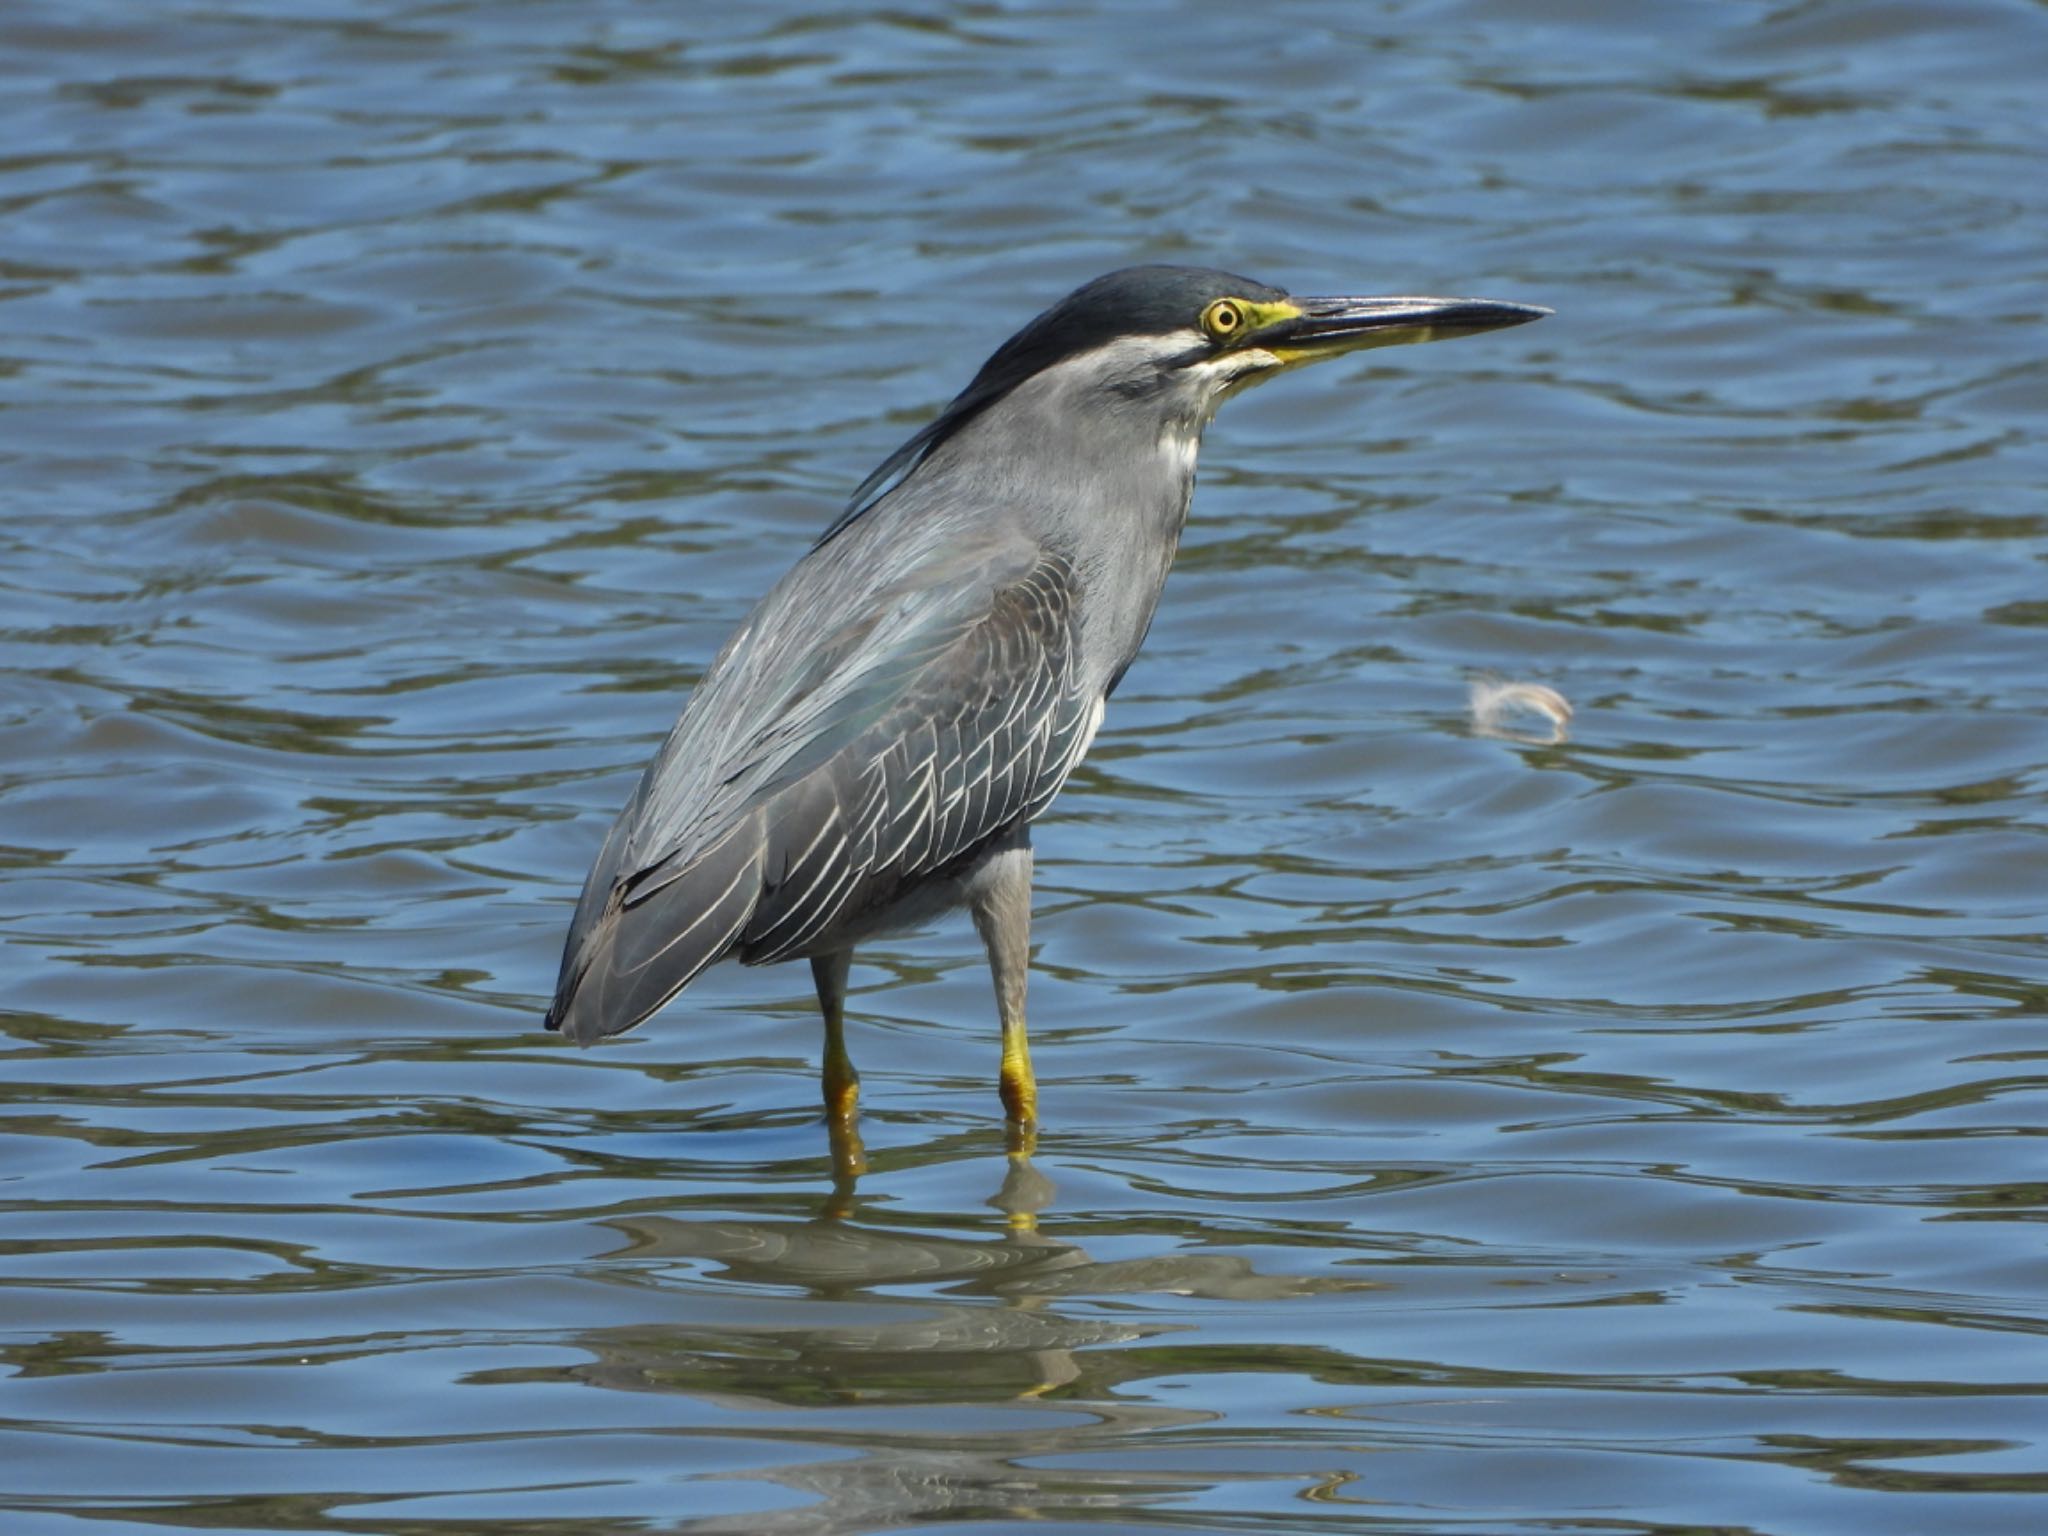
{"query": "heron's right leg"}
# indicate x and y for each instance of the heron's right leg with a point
(1000, 899)
(842, 1083)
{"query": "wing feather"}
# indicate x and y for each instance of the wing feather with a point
(814, 782)
(1009, 690)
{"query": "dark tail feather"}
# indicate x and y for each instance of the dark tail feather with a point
(646, 947)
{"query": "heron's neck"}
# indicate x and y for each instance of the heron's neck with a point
(1103, 481)
(1090, 459)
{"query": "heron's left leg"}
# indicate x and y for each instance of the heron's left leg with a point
(841, 1081)
(1000, 898)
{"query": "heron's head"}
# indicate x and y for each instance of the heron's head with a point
(1161, 347)
(1189, 337)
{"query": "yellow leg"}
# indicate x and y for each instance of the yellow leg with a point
(841, 1081)
(1001, 904)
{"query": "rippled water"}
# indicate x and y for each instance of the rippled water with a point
(1444, 1133)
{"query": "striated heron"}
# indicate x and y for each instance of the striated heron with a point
(872, 745)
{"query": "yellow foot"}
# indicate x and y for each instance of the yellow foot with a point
(1020, 1100)
(849, 1155)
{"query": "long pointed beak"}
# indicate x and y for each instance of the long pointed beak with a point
(1329, 327)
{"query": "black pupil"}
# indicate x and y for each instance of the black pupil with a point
(1225, 319)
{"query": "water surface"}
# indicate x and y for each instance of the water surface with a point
(1640, 1133)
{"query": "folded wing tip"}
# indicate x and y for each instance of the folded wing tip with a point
(640, 954)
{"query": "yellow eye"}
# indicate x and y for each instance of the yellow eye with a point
(1223, 319)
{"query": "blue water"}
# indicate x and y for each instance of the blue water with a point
(1444, 1132)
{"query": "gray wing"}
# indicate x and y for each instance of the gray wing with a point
(821, 771)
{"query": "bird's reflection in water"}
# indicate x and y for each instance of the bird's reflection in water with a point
(1024, 1193)
(850, 1339)
(836, 1315)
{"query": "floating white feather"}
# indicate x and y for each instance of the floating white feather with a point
(1504, 709)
